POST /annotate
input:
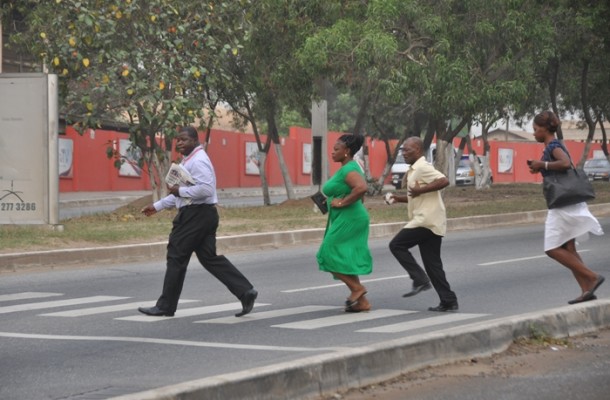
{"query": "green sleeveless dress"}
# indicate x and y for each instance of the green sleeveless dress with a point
(345, 246)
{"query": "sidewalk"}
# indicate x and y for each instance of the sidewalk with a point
(78, 199)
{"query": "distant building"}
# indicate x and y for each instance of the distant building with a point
(509, 136)
(571, 130)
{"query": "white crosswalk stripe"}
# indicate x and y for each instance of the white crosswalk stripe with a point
(421, 323)
(27, 296)
(333, 315)
(257, 316)
(106, 309)
(58, 303)
(189, 312)
(345, 318)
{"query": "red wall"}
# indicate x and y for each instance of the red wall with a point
(93, 171)
(523, 151)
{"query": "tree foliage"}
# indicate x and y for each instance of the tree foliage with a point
(151, 64)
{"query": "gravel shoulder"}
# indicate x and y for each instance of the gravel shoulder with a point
(577, 367)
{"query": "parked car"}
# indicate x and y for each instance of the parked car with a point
(464, 174)
(597, 169)
(398, 170)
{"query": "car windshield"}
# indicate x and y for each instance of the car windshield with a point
(601, 163)
(464, 163)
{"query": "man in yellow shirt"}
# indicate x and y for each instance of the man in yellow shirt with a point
(426, 227)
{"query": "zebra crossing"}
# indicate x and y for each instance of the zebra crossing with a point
(309, 316)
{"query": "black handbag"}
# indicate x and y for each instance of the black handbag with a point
(320, 200)
(566, 188)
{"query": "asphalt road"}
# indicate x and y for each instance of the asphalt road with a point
(76, 334)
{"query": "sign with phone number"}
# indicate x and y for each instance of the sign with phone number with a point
(17, 206)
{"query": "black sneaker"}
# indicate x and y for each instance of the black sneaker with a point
(445, 307)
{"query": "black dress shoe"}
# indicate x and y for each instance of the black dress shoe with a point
(417, 289)
(445, 307)
(247, 302)
(155, 312)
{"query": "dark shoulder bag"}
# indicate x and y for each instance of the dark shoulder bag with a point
(564, 188)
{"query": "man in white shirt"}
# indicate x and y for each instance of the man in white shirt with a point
(426, 227)
(194, 230)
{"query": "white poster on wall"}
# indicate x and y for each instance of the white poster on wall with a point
(252, 160)
(66, 157)
(130, 159)
(307, 158)
(505, 161)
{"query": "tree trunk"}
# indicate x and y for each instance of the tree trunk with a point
(285, 172)
(584, 98)
(161, 166)
(445, 160)
(275, 138)
(262, 158)
(485, 175)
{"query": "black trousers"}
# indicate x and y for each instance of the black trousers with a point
(430, 250)
(194, 230)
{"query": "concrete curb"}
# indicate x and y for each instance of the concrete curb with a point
(316, 376)
(11, 262)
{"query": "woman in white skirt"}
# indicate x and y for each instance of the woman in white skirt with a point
(564, 224)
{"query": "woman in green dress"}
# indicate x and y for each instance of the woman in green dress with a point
(344, 251)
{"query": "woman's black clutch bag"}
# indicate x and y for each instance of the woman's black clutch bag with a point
(320, 201)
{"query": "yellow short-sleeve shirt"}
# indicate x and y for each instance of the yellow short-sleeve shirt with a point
(426, 210)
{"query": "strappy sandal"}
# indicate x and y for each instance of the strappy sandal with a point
(351, 303)
(356, 309)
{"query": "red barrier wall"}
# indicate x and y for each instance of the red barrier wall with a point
(92, 171)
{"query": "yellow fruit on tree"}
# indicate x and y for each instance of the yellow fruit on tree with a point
(105, 79)
(161, 85)
(86, 62)
(43, 35)
(125, 72)
(64, 72)
(197, 74)
(56, 61)
(130, 91)
(153, 18)
(72, 42)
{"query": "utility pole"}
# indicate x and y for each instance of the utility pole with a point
(319, 133)
(1, 46)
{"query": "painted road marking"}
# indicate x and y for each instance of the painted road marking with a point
(58, 303)
(421, 323)
(106, 309)
(145, 340)
(521, 259)
(342, 284)
(268, 314)
(27, 296)
(345, 318)
(189, 312)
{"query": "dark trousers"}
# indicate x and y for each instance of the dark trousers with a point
(194, 230)
(430, 250)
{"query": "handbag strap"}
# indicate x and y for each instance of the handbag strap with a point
(550, 154)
